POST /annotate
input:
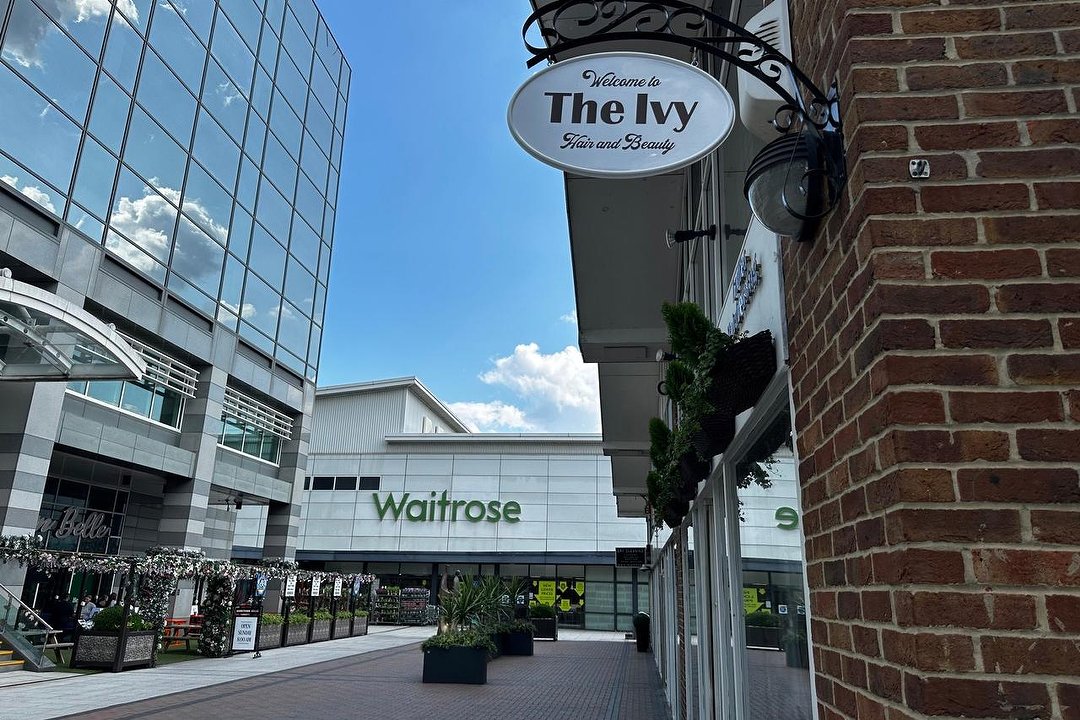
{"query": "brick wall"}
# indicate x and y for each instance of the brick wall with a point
(935, 359)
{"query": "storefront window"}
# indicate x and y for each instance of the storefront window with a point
(146, 398)
(252, 428)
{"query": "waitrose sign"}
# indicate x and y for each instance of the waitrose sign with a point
(620, 115)
(442, 508)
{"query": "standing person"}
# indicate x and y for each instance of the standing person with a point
(112, 600)
(89, 609)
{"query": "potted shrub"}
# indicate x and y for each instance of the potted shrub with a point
(641, 631)
(517, 637)
(298, 628)
(96, 648)
(544, 621)
(341, 623)
(493, 631)
(270, 630)
(360, 622)
(320, 628)
(459, 656)
(763, 630)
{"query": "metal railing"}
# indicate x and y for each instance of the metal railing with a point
(24, 630)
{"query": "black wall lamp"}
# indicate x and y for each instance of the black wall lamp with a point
(673, 237)
(795, 180)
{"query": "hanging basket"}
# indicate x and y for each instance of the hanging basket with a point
(715, 433)
(674, 513)
(741, 373)
(692, 470)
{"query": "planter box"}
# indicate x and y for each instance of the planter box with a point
(320, 630)
(98, 649)
(742, 373)
(269, 636)
(297, 634)
(359, 626)
(497, 641)
(341, 628)
(455, 665)
(517, 643)
(546, 628)
(763, 637)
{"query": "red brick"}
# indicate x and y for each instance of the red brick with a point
(1049, 445)
(877, 606)
(875, 80)
(1039, 298)
(987, 610)
(1056, 526)
(1058, 195)
(974, 198)
(1074, 404)
(1028, 229)
(1069, 700)
(976, 698)
(996, 333)
(876, 138)
(1063, 612)
(901, 265)
(1046, 72)
(1029, 163)
(955, 77)
(906, 107)
(920, 22)
(1042, 656)
(1005, 407)
(919, 232)
(993, 46)
(1027, 567)
(1056, 369)
(985, 264)
(927, 446)
(941, 370)
(865, 640)
(899, 50)
(1021, 485)
(1041, 15)
(946, 166)
(1056, 131)
(966, 526)
(922, 485)
(941, 567)
(1063, 263)
(967, 135)
(886, 681)
(892, 298)
(1016, 103)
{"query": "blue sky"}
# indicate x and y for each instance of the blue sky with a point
(451, 256)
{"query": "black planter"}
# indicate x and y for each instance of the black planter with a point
(674, 512)
(641, 632)
(269, 636)
(456, 665)
(742, 372)
(715, 434)
(763, 637)
(359, 626)
(297, 634)
(320, 630)
(97, 649)
(517, 643)
(692, 470)
(497, 641)
(546, 628)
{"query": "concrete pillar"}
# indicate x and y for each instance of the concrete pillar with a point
(283, 519)
(29, 424)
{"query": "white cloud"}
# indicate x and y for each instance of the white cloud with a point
(33, 192)
(570, 317)
(28, 29)
(556, 392)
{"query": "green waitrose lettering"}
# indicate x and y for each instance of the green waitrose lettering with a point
(440, 508)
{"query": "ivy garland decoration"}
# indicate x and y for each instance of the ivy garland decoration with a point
(217, 618)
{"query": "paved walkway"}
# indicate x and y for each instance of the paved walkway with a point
(377, 676)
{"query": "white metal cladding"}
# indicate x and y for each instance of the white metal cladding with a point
(164, 370)
(357, 422)
(256, 413)
(556, 445)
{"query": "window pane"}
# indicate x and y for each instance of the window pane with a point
(309, 202)
(86, 223)
(273, 210)
(95, 178)
(261, 305)
(248, 185)
(240, 235)
(369, 483)
(137, 11)
(198, 258)
(345, 483)
(85, 23)
(232, 53)
(137, 398)
(143, 216)
(279, 167)
(268, 49)
(154, 155)
(232, 284)
(207, 203)
(300, 287)
(304, 244)
(133, 256)
(314, 345)
(297, 43)
(322, 483)
(167, 407)
(198, 13)
(256, 136)
(245, 17)
(107, 391)
(232, 433)
(191, 295)
(267, 257)
(33, 132)
(321, 127)
(293, 332)
(314, 162)
(179, 47)
(35, 47)
(109, 115)
(252, 441)
(285, 124)
(260, 96)
(292, 83)
(122, 52)
(166, 99)
(270, 447)
(216, 152)
(225, 101)
(320, 302)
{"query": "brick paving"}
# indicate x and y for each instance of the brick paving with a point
(562, 681)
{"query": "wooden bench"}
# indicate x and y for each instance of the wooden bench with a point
(178, 630)
(56, 647)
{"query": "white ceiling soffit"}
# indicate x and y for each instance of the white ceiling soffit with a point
(623, 269)
(630, 506)
(628, 474)
(45, 337)
(628, 398)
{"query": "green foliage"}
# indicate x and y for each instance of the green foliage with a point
(343, 615)
(659, 442)
(679, 380)
(217, 618)
(360, 613)
(542, 611)
(155, 596)
(323, 615)
(272, 619)
(518, 626)
(763, 618)
(299, 618)
(471, 638)
(688, 329)
(109, 619)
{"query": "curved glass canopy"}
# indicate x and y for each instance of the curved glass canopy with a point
(45, 337)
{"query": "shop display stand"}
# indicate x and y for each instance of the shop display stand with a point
(414, 602)
(387, 607)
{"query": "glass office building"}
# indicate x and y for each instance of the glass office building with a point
(170, 169)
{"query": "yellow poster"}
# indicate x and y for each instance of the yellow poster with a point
(580, 587)
(545, 592)
(753, 599)
(564, 605)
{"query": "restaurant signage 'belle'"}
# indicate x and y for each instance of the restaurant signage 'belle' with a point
(620, 115)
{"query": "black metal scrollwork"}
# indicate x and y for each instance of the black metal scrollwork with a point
(564, 25)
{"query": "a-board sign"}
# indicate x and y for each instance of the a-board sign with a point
(244, 629)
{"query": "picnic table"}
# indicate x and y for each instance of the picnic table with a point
(180, 630)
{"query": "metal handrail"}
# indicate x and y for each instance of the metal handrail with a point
(27, 610)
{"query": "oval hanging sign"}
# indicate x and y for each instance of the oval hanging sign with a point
(620, 115)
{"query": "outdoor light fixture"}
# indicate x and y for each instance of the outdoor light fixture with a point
(664, 356)
(673, 237)
(238, 502)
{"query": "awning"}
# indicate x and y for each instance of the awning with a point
(45, 337)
